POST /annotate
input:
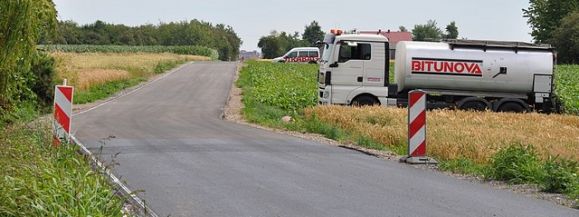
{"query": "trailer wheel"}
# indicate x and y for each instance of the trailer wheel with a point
(511, 107)
(365, 100)
(474, 104)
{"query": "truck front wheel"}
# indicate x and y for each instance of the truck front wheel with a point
(365, 100)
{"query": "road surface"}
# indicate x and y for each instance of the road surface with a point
(172, 144)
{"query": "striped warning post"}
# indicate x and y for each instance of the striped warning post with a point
(62, 113)
(417, 128)
(416, 123)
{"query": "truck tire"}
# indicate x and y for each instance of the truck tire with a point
(473, 104)
(512, 107)
(365, 100)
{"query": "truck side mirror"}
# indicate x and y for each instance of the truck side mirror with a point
(334, 65)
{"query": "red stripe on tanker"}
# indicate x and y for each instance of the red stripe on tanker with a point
(446, 66)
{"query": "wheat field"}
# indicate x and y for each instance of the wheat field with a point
(84, 70)
(460, 134)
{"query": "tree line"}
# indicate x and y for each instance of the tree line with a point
(431, 32)
(278, 43)
(556, 22)
(193, 33)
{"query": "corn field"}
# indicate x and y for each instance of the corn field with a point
(184, 50)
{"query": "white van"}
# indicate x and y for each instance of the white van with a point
(300, 55)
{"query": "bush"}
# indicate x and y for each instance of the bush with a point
(35, 88)
(43, 68)
(516, 164)
(560, 176)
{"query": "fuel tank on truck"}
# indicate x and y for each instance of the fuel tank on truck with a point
(506, 67)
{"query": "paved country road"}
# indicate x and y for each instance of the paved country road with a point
(173, 145)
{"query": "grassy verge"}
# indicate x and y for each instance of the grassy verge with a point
(39, 180)
(99, 75)
(484, 144)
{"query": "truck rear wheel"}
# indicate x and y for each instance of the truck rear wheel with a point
(473, 104)
(365, 100)
(511, 107)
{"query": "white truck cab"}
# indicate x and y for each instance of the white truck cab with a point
(354, 69)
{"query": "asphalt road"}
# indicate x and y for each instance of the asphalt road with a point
(172, 144)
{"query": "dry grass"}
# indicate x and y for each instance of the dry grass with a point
(84, 70)
(459, 134)
(86, 77)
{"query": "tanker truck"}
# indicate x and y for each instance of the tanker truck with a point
(463, 74)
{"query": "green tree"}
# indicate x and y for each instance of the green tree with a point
(313, 33)
(402, 29)
(22, 23)
(427, 32)
(451, 31)
(195, 32)
(566, 39)
(545, 16)
(68, 32)
(277, 44)
(270, 46)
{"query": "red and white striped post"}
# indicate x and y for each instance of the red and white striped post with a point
(417, 129)
(62, 113)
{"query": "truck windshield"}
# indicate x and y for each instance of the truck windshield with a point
(327, 52)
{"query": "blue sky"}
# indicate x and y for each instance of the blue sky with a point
(251, 19)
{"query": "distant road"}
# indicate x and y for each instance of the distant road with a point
(173, 145)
